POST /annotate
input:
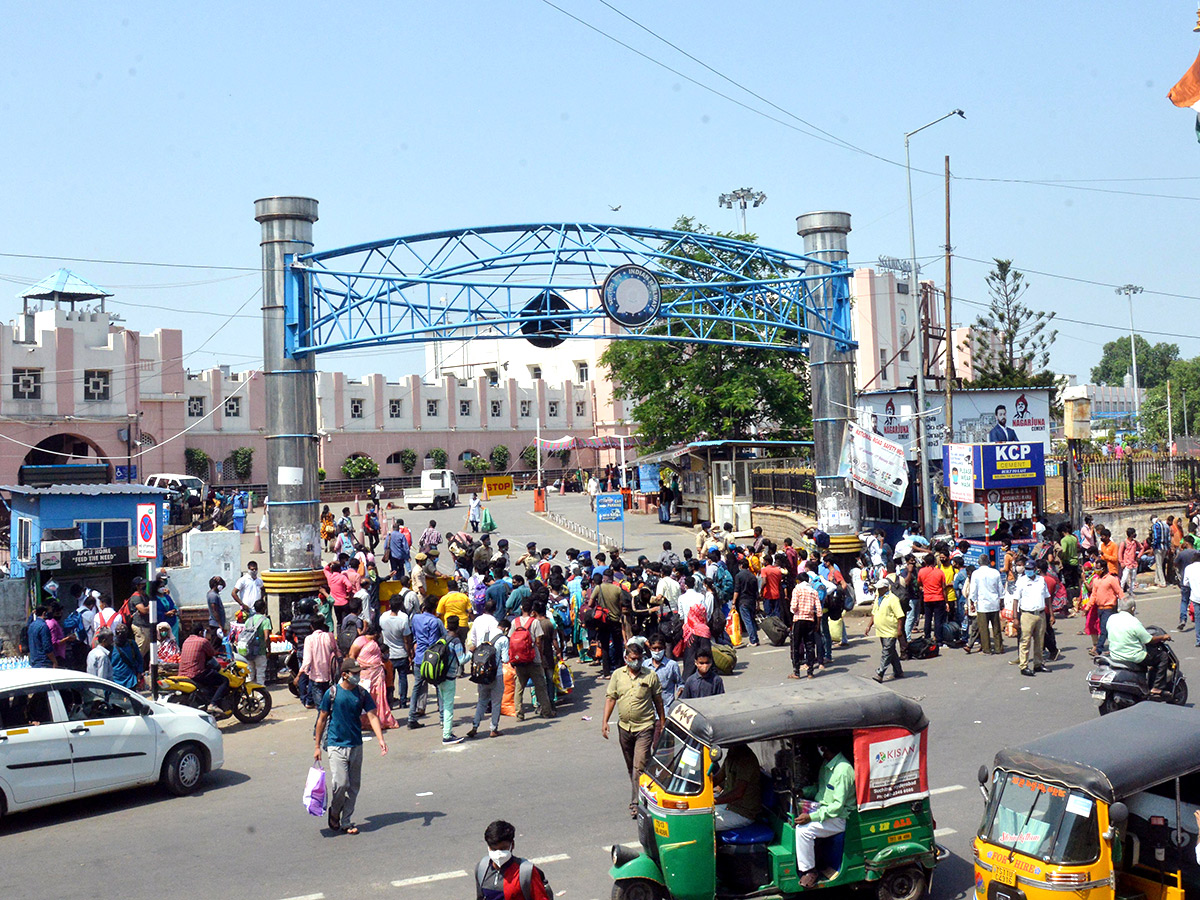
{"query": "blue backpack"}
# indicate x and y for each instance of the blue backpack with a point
(73, 624)
(723, 582)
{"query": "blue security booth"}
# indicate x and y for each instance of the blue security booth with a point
(81, 533)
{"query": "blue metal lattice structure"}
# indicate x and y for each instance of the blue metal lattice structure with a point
(498, 280)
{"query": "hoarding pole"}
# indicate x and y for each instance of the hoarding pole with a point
(152, 606)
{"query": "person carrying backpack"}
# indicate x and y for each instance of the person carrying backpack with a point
(253, 642)
(502, 876)
(487, 643)
(427, 630)
(524, 653)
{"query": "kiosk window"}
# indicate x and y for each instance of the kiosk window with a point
(104, 533)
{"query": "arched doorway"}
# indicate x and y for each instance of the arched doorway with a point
(65, 458)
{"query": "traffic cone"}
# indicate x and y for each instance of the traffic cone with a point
(257, 541)
(485, 493)
(357, 511)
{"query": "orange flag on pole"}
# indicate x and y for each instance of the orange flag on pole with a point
(1187, 92)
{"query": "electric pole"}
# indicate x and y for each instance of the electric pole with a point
(948, 369)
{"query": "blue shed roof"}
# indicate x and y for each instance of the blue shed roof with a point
(83, 490)
(64, 285)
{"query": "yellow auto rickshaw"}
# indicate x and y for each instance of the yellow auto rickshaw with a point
(1104, 810)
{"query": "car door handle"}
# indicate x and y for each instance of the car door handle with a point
(80, 729)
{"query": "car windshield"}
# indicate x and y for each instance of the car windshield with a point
(193, 484)
(1042, 820)
(675, 764)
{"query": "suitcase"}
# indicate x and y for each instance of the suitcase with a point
(774, 629)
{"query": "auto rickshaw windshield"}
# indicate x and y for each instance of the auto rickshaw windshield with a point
(1042, 820)
(676, 763)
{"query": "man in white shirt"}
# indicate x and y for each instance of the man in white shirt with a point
(690, 597)
(99, 662)
(485, 627)
(668, 591)
(1032, 599)
(986, 594)
(396, 630)
(249, 589)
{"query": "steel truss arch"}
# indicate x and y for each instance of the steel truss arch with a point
(454, 285)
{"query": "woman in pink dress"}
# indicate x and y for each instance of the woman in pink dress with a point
(365, 650)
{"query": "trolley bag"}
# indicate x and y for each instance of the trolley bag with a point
(774, 629)
(724, 658)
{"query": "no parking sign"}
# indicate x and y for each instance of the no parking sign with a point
(147, 531)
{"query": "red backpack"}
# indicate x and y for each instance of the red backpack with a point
(520, 642)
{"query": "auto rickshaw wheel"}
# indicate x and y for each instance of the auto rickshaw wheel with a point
(636, 889)
(902, 883)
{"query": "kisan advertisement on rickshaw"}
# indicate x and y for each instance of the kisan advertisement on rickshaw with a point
(889, 766)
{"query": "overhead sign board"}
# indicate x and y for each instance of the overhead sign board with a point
(85, 558)
(147, 530)
(1013, 465)
(631, 295)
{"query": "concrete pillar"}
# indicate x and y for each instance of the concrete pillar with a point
(291, 406)
(832, 379)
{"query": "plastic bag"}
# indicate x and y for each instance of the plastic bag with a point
(508, 705)
(563, 679)
(314, 791)
(487, 524)
(734, 628)
(837, 630)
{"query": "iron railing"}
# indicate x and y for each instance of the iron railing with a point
(1111, 483)
(785, 484)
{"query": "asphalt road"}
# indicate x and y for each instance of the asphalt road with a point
(424, 807)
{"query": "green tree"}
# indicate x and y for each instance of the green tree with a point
(196, 462)
(529, 456)
(1012, 341)
(1184, 377)
(1153, 362)
(243, 463)
(440, 457)
(684, 391)
(360, 466)
(475, 465)
(500, 457)
(408, 460)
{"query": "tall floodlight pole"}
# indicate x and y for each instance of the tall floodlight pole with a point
(922, 450)
(1129, 290)
(742, 197)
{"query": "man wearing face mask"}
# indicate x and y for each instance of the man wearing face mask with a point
(636, 693)
(342, 709)
(502, 876)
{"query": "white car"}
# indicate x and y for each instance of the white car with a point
(64, 734)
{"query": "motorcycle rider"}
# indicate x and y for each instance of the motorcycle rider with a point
(1130, 642)
(198, 661)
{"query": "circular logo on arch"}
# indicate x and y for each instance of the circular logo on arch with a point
(146, 528)
(631, 296)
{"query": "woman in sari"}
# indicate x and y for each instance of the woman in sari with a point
(697, 636)
(328, 527)
(365, 650)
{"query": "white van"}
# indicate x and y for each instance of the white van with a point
(180, 484)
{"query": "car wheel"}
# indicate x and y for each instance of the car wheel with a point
(902, 883)
(183, 769)
(253, 707)
(636, 889)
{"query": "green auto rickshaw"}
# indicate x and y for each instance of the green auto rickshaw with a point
(888, 838)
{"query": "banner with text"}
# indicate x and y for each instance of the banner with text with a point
(876, 465)
(889, 766)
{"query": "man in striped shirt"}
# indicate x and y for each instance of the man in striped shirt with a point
(806, 615)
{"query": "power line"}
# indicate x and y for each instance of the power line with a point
(129, 262)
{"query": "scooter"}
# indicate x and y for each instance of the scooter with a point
(1118, 685)
(248, 701)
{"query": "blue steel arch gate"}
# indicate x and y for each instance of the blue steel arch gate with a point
(451, 284)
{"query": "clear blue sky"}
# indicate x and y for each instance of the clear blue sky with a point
(145, 132)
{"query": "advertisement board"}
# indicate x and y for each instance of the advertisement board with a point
(498, 485)
(997, 466)
(876, 465)
(959, 470)
(648, 478)
(889, 766)
(890, 416)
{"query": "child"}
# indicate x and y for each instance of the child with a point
(458, 658)
(704, 682)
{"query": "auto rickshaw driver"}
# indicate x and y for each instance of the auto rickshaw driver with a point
(740, 782)
(834, 800)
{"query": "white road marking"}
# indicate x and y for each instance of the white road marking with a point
(542, 860)
(307, 897)
(948, 789)
(757, 652)
(426, 879)
(297, 719)
(630, 845)
(942, 832)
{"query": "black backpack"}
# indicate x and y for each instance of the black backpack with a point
(524, 878)
(485, 664)
(835, 603)
(919, 648)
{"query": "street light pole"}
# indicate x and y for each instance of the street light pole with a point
(922, 450)
(1129, 290)
(742, 196)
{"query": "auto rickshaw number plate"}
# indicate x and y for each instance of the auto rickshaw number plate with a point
(660, 828)
(1004, 875)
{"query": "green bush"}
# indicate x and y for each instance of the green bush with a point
(320, 474)
(361, 466)
(475, 465)
(243, 463)
(529, 456)
(440, 457)
(408, 460)
(561, 455)
(197, 463)
(500, 458)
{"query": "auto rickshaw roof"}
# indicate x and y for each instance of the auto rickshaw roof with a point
(831, 703)
(1115, 755)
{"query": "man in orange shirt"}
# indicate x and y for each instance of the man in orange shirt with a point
(933, 592)
(1108, 552)
(772, 585)
(1106, 591)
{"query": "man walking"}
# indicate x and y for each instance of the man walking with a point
(806, 610)
(342, 709)
(525, 655)
(1187, 555)
(249, 589)
(635, 692)
(986, 594)
(398, 551)
(41, 644)
(1106, 591)
(745, 600)
(887, 615)
(475, 513)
